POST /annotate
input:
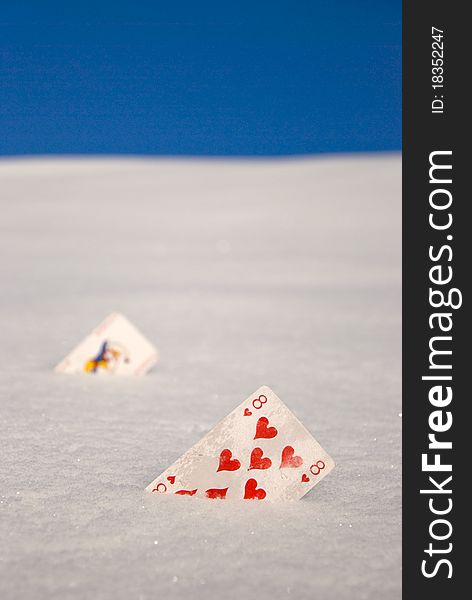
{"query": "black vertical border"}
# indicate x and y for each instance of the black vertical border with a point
(423, 133)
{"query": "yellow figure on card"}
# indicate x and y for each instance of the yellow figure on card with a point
(107, 358)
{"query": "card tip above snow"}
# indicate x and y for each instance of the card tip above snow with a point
(115, 347)
(260, 451)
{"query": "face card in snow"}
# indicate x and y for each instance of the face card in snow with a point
(260, 451)
(115, 347)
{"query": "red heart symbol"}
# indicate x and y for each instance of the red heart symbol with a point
(226, 464)
(289, 460)
(251, 493)
(216, 493)
(263, 431)
(257, 462)
(247, 412)
(186, 492)
(171, 478)
(305, 478)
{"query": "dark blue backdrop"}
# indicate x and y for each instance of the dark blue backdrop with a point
(200, 77)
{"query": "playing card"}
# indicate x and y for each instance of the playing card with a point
(115, 347)
(260, 451)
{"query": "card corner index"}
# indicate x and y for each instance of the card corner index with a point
(99, 329)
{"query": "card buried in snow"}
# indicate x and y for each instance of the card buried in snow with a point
(115, 347)
(260, 451)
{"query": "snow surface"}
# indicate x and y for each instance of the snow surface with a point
(243, 273)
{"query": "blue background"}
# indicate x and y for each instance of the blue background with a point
(190, 77)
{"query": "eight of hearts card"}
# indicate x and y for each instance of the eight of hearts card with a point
(115, 347)
(260, 451)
